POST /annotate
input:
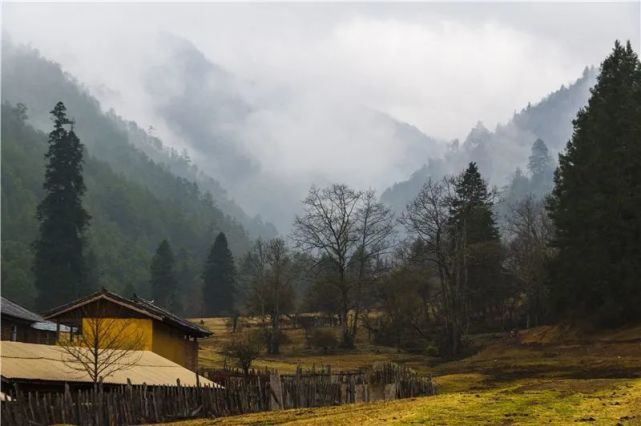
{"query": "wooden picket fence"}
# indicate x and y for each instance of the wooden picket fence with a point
(239, 394)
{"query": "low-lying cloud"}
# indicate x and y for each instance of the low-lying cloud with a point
(272, 98)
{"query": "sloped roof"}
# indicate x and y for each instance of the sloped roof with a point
(137, 304)
(12, 309)
(29, 361)
(148, 305)
(51, 326)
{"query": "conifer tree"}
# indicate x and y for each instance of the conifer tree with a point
(596, 202)
(163, 279)
(541, 169)
(219, 277)
(472, 204)
(476, 241)
(59, 265)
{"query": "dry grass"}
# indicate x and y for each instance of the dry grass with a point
(548, 375)
(525, 402)
(296, 353)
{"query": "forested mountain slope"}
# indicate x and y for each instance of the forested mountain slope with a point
(499, 152)
(129, 216)
(30, 79)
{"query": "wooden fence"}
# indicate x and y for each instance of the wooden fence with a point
(239, 394)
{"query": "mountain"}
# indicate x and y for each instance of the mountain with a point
(30, 79)
(180, 164)
(498, 153)
(135, 198)
(267, 142)
(414, 144)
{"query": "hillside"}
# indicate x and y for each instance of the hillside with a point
(499, 152)
(32, 80)
(547, 375)
(129, 218)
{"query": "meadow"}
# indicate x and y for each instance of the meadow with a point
(545, 375)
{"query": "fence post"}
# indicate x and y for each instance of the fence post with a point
(276, 390)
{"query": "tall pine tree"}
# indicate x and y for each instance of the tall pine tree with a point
(219, 278)
(477, 243)
(59, 265)
(541, 169)
(472, 206)
(596, 202)
(163, 279)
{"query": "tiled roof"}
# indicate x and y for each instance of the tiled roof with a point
(14, 310)
(150, 306)
(137, 304)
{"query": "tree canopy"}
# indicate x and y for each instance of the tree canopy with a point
(163, 279)
(596, 199)
(219, 279)
(59, 264)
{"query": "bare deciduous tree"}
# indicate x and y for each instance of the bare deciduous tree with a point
(104, 346)
(529, 230)
(428, 218)
(327, 228)
(267, 268)
(375, 227)
(349, 229)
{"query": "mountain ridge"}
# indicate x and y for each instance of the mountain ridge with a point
(499, 152)
(37, 82)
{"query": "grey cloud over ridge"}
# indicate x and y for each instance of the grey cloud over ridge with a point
(270, 98)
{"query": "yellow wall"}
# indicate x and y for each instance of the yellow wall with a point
(170, 344)
(156, 337)
(134, 328)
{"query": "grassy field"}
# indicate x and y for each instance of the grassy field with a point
(295, 353)
(548, 375)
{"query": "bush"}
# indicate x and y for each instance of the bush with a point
(323, 338)
(244, 349)
(431, 350)
(266, 337)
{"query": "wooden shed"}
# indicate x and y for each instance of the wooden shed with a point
(21, 325)
(161, 331)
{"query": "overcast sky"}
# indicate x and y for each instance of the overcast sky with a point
(441, 67)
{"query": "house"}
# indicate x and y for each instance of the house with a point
(154, 328)
(47, 368)
(21, 325)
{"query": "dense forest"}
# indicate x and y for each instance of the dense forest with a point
(38, 83)
(139, 191)
(128, 219)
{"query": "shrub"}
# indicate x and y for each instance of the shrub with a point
(431, 350)
(323, 338)
(244, 349)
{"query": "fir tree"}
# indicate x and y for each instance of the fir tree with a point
(163, 280)
(59, 265)
(472, 204)
(541, 169)
(596, 202)
(219, 279)
(476, 242)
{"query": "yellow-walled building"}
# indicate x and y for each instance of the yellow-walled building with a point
(117, 322)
